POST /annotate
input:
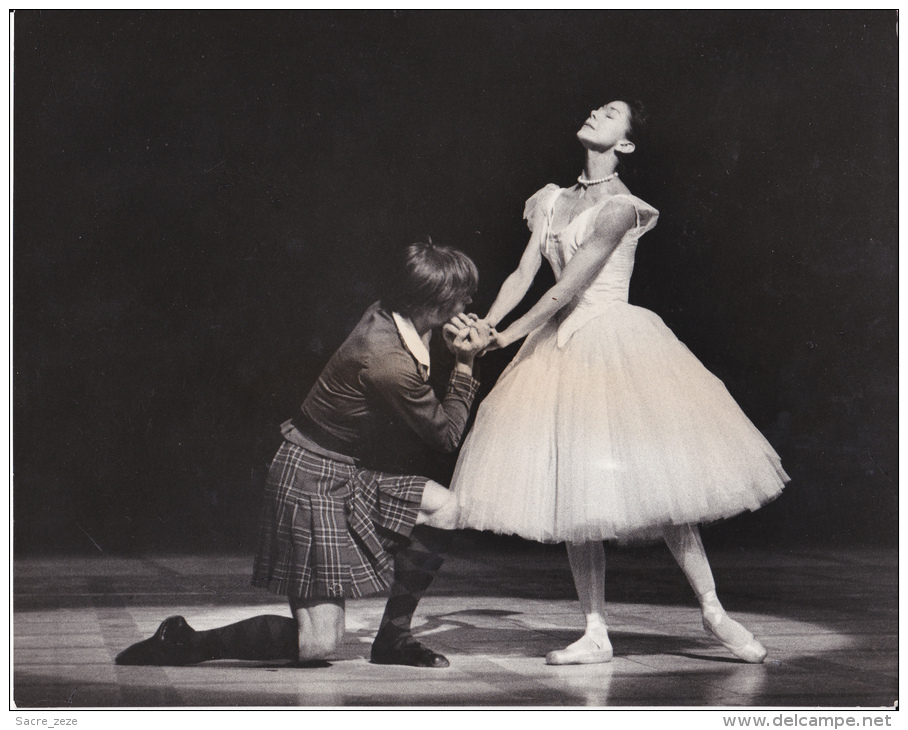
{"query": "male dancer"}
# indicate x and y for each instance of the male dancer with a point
(334, 525)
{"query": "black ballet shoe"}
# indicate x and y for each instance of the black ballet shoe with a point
(171, 646)
(409, 653)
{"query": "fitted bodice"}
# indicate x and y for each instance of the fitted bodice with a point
(612, 282)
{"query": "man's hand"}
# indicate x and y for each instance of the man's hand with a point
(457, 330)
(480, 336)
(467, 335)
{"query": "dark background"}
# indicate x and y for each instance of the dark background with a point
(203, 202)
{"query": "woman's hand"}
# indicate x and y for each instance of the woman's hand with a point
(500, 340)
(488, 335)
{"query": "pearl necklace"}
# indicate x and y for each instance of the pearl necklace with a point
(586, 183)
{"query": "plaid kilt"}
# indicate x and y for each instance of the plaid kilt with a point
(328, 528)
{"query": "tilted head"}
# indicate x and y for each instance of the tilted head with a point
(614, 126)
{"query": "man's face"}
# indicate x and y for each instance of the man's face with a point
(443, 316)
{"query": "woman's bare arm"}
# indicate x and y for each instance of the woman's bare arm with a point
(518, 283)
(611, 225)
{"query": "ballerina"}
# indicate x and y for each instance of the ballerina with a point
(604, 426)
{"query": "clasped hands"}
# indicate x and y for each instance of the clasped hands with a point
(467, 334)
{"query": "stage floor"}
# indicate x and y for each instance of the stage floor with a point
(828, 617)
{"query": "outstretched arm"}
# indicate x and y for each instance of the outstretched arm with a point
(611, 225)
(518, 283)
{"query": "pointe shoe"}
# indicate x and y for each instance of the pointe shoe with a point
(586, 650)
(734, 637)
(409, 653)
(171, 646)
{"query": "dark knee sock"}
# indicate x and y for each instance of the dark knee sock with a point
(415, 567)
(260, 637)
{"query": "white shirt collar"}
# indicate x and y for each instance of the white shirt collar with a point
(412, 340)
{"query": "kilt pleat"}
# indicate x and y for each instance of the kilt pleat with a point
(328, 529)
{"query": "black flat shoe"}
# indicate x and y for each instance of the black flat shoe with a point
(409, 654)
(171, 646)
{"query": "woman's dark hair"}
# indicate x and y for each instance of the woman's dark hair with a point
(636, 132)
(637, 124)
(427, 277)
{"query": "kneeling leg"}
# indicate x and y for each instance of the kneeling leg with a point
(320, 626)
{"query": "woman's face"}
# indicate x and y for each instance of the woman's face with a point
(607, 128)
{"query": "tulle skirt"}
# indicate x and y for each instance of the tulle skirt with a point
(611, 437)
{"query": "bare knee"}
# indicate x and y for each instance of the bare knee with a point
(439, 508)
(320, 645)
(320, 627)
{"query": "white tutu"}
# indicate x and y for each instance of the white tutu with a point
(611, 433)
(611, 437)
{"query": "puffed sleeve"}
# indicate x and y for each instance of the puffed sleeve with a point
(643, 216)
(647, 216)
(538, 204)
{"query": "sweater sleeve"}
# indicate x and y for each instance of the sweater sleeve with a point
(398, 386)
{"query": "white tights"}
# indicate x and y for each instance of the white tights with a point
(686, 547)
(587, 561)
(588, 566)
